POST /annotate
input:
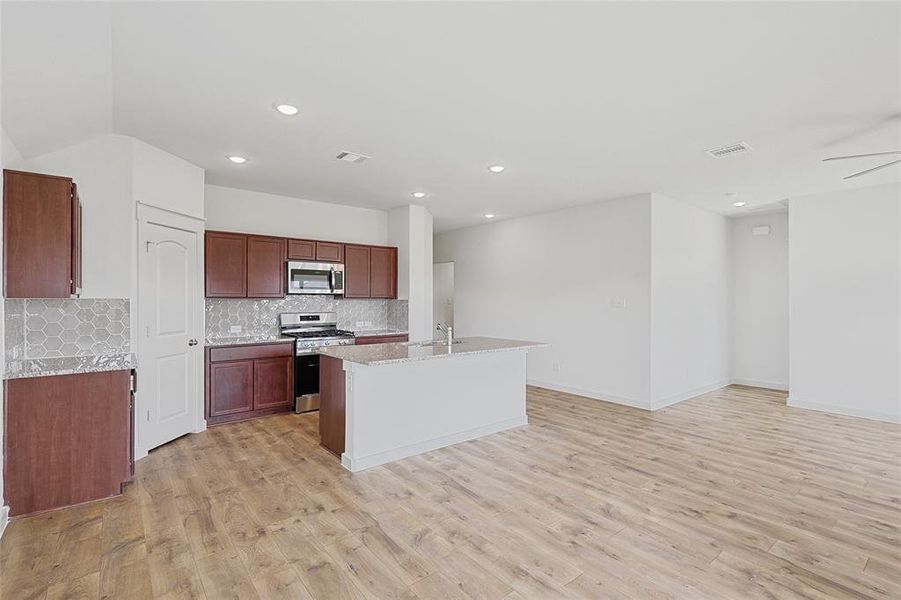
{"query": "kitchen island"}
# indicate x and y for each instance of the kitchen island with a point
(384, 402)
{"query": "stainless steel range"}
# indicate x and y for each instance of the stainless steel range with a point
(311, 332)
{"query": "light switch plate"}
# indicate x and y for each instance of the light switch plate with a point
(234, 329)
(618, 302)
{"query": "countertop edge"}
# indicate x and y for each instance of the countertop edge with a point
(50, 367)
(522, 345)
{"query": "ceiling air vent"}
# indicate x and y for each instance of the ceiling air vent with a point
(352, 157)
(729, 150)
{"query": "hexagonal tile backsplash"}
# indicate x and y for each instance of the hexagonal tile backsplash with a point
(260, 317)
(56, 328)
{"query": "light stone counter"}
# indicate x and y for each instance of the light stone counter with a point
(401, 352)
(378, 332)
(69, 365)
(241, 340)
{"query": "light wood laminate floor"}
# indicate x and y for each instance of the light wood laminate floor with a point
(727, 495)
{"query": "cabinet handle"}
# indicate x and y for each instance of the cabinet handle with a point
(192, 342)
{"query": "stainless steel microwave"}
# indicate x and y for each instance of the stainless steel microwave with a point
(315, 278)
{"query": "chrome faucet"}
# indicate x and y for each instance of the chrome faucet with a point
(448, 332)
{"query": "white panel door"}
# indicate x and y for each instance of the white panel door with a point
(168, 295)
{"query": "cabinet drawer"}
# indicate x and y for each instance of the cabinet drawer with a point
(251, 352)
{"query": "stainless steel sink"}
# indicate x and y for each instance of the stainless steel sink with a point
(432, 343)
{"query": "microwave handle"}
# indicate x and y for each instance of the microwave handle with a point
(331, 279)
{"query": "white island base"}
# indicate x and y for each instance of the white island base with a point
(398, 409)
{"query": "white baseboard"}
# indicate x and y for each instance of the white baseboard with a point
(844, 410)
(759, 383)
(634, 403)
(4, 519)
(381, 458)
(682, 396)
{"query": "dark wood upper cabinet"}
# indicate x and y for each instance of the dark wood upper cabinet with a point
(266, 267)
(301, 250)
(242, 265)
(383, 272)
(41, 236)
(356, 271)
(329, 252)
(75, 287)
(315, 251)
(226, 264)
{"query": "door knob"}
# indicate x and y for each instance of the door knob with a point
(192, 342)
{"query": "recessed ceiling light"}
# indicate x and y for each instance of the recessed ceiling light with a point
(418, 194)
(496, 168)
(287, 109)
(738, 204)
(238, 160)
(488, 215)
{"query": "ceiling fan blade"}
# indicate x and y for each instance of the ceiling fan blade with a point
(888, 164)
(862, 155)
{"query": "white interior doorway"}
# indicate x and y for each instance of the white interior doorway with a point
(169, 400)
(443, 294)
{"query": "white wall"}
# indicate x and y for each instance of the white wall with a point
(231, 209)
(844, 301)
(689, 301)
(102, 168)
(442, 294)
(410, 229)
(759, 321)
(165, 181)
(113, 173)
(552, 278)
(6, 151)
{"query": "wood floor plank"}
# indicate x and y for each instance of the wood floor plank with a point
(728, 495)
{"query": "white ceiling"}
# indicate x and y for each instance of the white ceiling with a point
(581, 101)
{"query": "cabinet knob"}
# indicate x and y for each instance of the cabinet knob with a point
(192, 342)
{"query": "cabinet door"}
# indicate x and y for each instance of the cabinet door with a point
(356, 271)
(231, 387)
(76, 242)
(265, 267)
(226, 265)
(301, 250)
(67, 439)
(37, 240)
(383, 272)
(273, 382)
(329, 252)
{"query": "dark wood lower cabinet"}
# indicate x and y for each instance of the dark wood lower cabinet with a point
(273, 383)
(231, 385)
(247, 381)
(67, 441)
(331, 404)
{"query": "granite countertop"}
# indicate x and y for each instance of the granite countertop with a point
(239, 340)
(378, 332)
(401, 352)
(69, 365)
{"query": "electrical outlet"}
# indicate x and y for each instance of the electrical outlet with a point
(364, 324)
(234, 329)
(556, 366)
